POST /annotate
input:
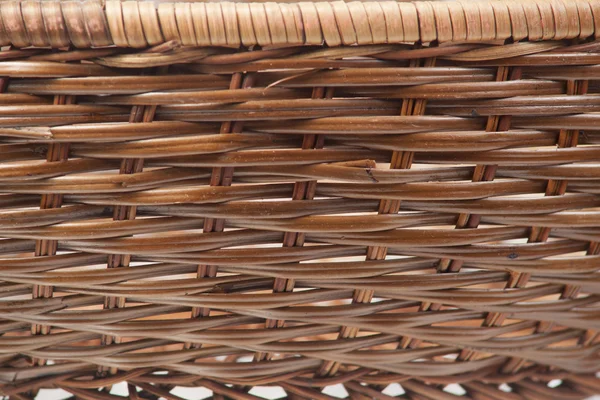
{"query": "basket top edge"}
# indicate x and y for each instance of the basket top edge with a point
(146, 23)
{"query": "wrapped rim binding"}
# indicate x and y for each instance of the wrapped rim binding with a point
(138, 24)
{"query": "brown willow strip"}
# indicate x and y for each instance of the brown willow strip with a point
(551, 58)
(378, 191)
(181, 146)
(111, 242)
(112, 85)
(327, 78)
(590, 72)
(387, 76)
(356, 172)
(17, 98)
(278, 109)
(272, 157)
(507, 207)
(221, 177)
(530, 102)
(54, 120)
(573, 172)
(28, 172)
(51, 110)
(266, 256)
(202, 96)
(461, 90)
(125, 131)
(287, 63)
(48, 69)
(302, 191)
(518, 157)
(383, 125)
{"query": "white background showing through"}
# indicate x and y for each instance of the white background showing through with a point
(200, 393)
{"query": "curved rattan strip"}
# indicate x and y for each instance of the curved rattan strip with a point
(139, 24)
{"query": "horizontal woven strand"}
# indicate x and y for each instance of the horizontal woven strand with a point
(139, 24)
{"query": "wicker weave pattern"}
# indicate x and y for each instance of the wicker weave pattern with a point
(408, 211)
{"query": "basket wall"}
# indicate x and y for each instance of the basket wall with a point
(232, 195)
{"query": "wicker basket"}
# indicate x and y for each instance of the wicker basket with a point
(300, 195)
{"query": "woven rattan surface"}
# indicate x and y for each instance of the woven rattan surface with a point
(231, 195)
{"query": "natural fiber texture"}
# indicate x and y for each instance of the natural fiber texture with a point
(420, 213)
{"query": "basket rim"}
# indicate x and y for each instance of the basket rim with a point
(141, 24)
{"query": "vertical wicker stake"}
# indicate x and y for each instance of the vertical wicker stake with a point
(302, 191)
(123, 213)
(482, 173)
(56, 152)
(567, 138)
(221, 176)
(400, 160)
